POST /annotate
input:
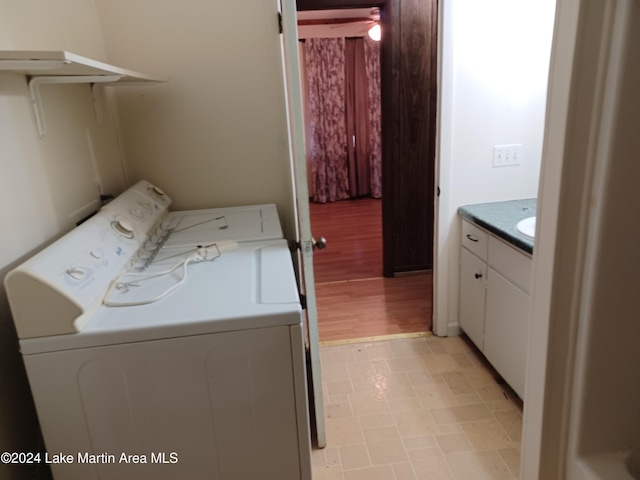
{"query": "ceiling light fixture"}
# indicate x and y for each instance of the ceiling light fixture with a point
(375, 32)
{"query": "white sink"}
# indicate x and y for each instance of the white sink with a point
(527, 227)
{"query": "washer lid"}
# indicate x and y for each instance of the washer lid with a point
(252, 287)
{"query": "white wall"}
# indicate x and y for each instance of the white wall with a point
(494, 64)
(46, 185)
(216, 133)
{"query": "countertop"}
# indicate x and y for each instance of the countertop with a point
(501, 218)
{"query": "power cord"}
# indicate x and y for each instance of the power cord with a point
(203, 254)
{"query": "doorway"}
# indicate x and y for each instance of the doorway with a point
(355, 300)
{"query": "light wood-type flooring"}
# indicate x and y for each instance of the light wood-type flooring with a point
(354, 300)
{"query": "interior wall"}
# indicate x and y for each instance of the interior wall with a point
(47, 184)
(216, 133)
(494, 67)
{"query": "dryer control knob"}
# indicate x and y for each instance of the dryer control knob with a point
(158, 191)
(123, 227)
(76, 273)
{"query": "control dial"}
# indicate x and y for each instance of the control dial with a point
(157, 191)
(123, 227)
(76, 273)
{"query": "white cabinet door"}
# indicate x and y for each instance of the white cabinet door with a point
(473, 274)
(506, 330)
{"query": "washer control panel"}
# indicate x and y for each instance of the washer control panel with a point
(141, 208)
(152, 192)
(55, 291)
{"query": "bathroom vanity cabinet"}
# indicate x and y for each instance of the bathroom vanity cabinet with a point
(495, 280)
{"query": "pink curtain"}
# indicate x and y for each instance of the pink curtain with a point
(372, 65)
(327, 124)
(357, 118)
(344, 145)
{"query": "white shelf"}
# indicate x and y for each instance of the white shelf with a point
(56, 67)
(61, 63)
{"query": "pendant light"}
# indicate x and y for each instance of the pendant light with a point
(375, 32)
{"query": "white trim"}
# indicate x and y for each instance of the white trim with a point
(441, 255)
(454, 330)
(535, 399)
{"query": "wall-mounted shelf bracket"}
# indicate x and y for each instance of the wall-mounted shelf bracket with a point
(36, 100)
(96, 102)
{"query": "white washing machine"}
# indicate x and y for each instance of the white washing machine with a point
(191, 368)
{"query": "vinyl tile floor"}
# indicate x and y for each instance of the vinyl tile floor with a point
(416, 409)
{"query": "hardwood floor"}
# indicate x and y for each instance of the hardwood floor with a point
(354, 300)
(353, 229)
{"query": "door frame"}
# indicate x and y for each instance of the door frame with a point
(389, 73)
(303, 5)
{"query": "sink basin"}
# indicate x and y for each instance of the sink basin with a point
(527, 227)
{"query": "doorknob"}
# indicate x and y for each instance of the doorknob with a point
(307, 246)
(320, 243)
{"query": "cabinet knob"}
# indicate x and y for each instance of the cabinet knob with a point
(478, 275)
(473, 239)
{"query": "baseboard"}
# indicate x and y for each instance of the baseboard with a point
(379, 338)
(454, 330)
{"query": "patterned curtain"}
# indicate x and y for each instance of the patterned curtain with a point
(338, 168)
(328, 136)
(372, 64)
(357, 118)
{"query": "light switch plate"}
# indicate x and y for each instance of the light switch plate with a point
(507, 155)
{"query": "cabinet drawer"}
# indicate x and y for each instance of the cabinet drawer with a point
(474, 239)
(511, 263)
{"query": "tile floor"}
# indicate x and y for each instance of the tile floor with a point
(412, 409)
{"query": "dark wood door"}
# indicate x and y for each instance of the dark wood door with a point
(408, 83)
